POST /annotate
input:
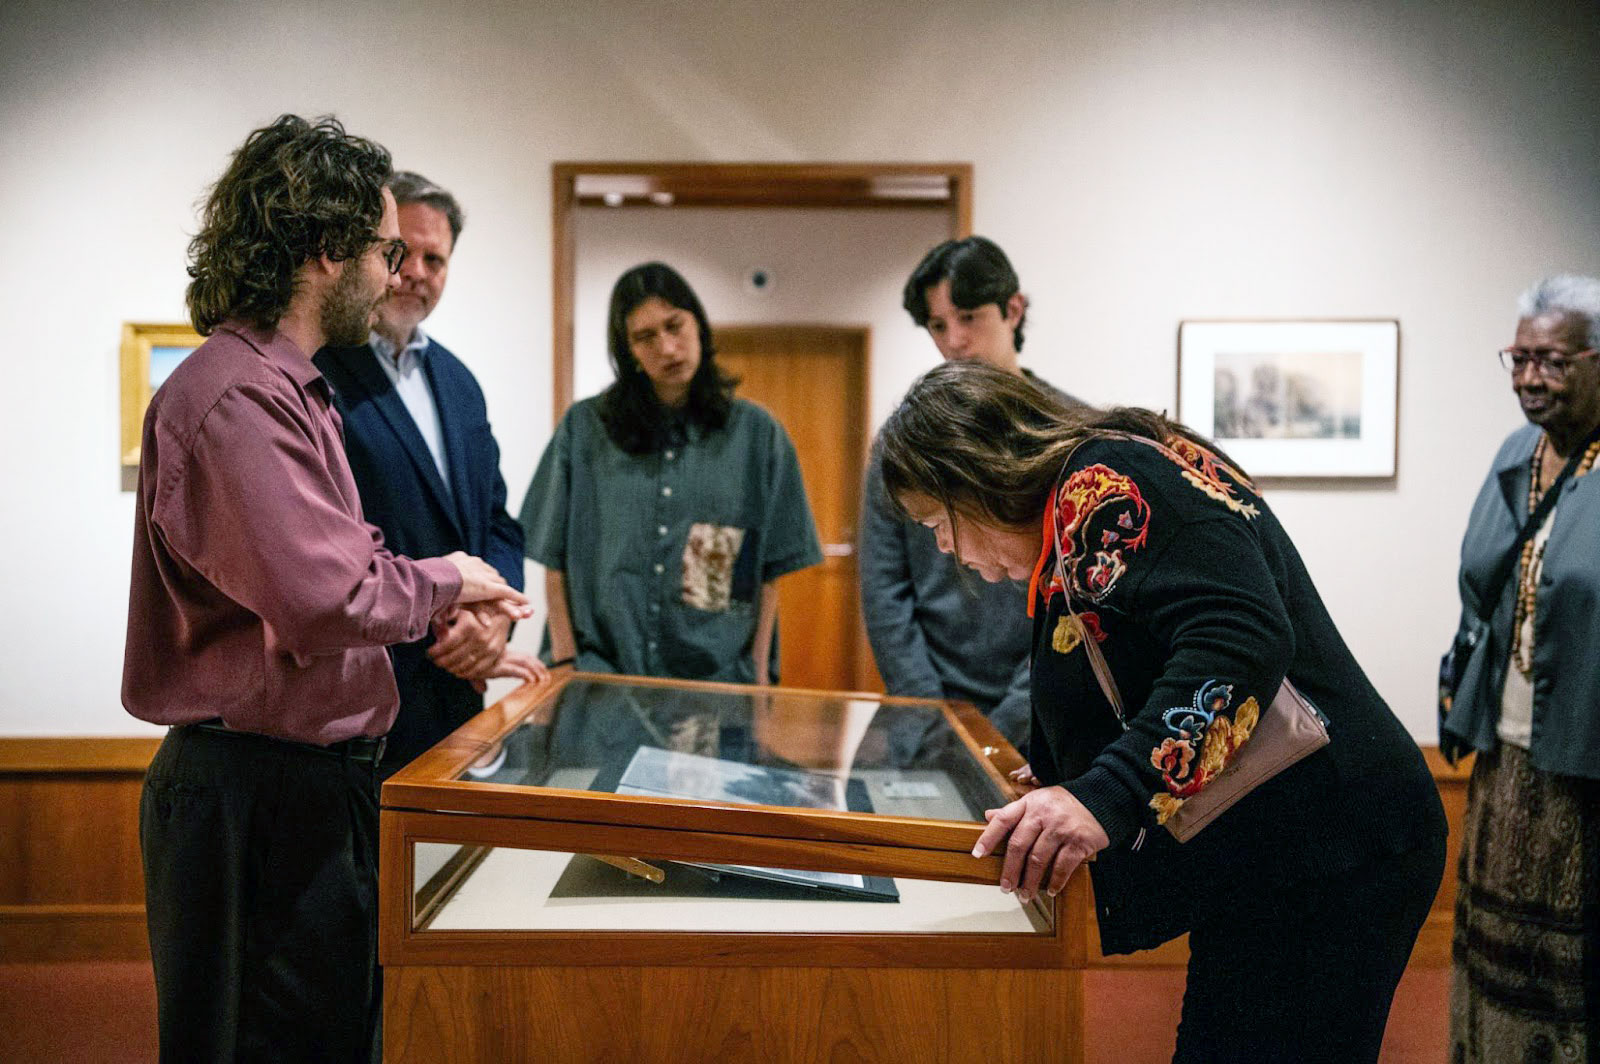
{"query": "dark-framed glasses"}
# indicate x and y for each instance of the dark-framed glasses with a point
(394, 253)
(1551, 363)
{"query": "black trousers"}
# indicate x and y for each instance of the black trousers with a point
(1307, 974)
(261, 889)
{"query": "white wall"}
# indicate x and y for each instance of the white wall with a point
(1142, 161)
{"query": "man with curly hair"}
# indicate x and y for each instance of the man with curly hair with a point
(259, 609)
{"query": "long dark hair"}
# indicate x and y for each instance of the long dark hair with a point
(633, 415)
(990, 445)
(295, 191)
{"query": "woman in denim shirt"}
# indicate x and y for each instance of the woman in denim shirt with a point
(665, 509)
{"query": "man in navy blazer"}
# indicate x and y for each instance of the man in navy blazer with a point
(428, 469)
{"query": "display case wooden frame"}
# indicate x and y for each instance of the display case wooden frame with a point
(1039, 976)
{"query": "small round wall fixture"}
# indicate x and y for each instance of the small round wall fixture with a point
(758, 280)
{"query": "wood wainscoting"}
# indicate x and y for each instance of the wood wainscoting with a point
(71, 882)
(72, 887)
(1433, 944)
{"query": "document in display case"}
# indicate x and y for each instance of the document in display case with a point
(783, 868)
(670, 774)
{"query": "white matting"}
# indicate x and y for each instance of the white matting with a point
(511, 890)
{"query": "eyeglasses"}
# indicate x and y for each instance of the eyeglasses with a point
(394, 253)
(1551, 363)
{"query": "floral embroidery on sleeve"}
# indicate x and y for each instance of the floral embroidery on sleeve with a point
(1100, 514)
(1205, 470)
(1202, 742)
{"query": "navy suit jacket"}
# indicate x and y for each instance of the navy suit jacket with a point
(402, 493)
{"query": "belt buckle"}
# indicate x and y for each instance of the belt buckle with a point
(360, 748)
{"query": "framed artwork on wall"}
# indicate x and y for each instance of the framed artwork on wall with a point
(149, 353)
(1294, 398)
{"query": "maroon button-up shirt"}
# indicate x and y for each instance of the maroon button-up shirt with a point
(259, 594)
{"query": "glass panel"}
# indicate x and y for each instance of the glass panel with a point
(794, 750)
(485, 888)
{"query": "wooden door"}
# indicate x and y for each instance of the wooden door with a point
(813, 379)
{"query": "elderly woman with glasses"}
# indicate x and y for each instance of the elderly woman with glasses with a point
(1527, 933)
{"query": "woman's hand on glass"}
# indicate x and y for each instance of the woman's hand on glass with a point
(1048, 833)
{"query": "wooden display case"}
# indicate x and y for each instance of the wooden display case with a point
(614, 868)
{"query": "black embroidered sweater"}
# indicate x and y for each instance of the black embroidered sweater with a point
(1202, 606)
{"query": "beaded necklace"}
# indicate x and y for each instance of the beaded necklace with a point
(1533, 558)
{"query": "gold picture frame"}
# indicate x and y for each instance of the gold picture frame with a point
(149, 353)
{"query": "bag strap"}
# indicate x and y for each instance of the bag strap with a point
(1097, 660)
(1502, 571)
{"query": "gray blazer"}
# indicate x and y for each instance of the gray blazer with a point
(1566, 665)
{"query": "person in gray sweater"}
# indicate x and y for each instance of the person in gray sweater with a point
(936, 632)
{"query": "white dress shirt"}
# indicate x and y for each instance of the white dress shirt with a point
(405, 370)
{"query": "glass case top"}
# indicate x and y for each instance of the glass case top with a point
(786, 749)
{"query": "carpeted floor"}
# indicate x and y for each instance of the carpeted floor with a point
(106, 1013)
(1134, 1015)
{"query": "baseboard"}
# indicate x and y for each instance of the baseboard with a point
(1432, 949)
(52, 754)
(1433, 944)
(37, 933)
(1174, 954)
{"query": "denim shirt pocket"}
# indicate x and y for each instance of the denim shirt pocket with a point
(711, 566)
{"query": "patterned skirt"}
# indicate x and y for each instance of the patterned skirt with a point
(1527, 933)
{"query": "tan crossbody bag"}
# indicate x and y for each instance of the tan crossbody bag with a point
(1288, 730)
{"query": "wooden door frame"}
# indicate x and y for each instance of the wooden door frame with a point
(667, 185)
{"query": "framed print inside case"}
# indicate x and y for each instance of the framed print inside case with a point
(1294, 398)
(149, 353)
